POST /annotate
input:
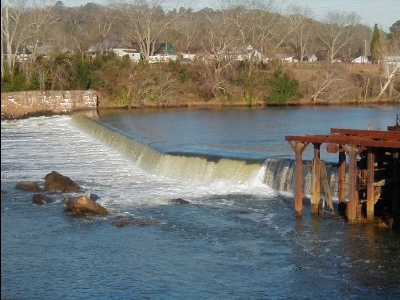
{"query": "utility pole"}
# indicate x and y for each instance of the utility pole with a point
(365, 50)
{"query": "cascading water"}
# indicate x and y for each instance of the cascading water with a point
(183, 168)
(277, 173)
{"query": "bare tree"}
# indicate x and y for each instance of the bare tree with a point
(302, 29)
(145, 22)
(12, 33)
(100, 24)
(187, 27)
(38, 20)
(218, 44)
(390, 66)
(267, 29)
(244, 16)
(327, 85)
(336, 31)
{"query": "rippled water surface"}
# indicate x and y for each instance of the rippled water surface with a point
(233, 241)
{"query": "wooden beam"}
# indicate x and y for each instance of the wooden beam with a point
(381, 134)
(395, 178)
(353, 199)
(370, 184)
(298, 148)
(358, 140)
(316, 180)
(342, 175)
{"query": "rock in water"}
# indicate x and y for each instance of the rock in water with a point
(84, 205)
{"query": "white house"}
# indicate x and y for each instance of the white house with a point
(288, 59)
(361, 60)
(132, 53)
(162, 58)
(310, 58)
(392, 60)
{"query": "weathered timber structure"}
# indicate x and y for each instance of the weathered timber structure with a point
(368, 163)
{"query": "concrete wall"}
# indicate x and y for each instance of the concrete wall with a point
(25, 104)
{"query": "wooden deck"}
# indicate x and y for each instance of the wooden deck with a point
(371, 158)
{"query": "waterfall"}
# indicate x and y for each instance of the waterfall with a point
(174, 166)
(277, 173)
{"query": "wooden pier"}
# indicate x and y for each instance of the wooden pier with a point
(371, 160)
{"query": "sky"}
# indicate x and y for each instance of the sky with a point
(382, 12)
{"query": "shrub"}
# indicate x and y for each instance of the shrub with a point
(282, 87)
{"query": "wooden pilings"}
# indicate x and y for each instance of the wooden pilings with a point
(342, 175)
(370, 184)
(316, 179)
(352, 193)
(298, 148)
(373, 171)
(396, 183)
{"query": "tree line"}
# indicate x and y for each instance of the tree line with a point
(44, 46)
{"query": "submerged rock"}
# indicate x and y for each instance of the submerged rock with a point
(122, 221)
(41, 199)
(84, 205)
(94, 197)
(31, 186)
(180, 201)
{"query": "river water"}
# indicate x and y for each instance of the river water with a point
(238, 238)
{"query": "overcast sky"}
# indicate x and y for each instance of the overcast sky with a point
(382, 12)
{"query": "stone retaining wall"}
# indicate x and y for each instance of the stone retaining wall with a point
(25, 104)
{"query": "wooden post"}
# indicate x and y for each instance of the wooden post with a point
(316, 180)
(298, 147)
(342, 175)
(353, 199)
(370, 184)
(396, 186)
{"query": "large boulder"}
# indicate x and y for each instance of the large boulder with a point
(84, 205)
(31, 186)
(55, 182)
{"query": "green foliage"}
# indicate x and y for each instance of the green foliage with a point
(249, 98)
(395, 28)
(84, 74)
(15, 83)
(112, 76)
(282, 87)
(18, 82)
(375, 46)
(183, 75)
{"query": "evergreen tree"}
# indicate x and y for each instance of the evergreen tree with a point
(395, 28)
(375, 46)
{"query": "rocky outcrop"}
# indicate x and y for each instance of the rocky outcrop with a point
(55, 182)
(84, 205)
(17, 105)
(58, 183)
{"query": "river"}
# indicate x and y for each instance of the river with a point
(238, 238)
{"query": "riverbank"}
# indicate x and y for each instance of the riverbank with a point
(20, 105)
